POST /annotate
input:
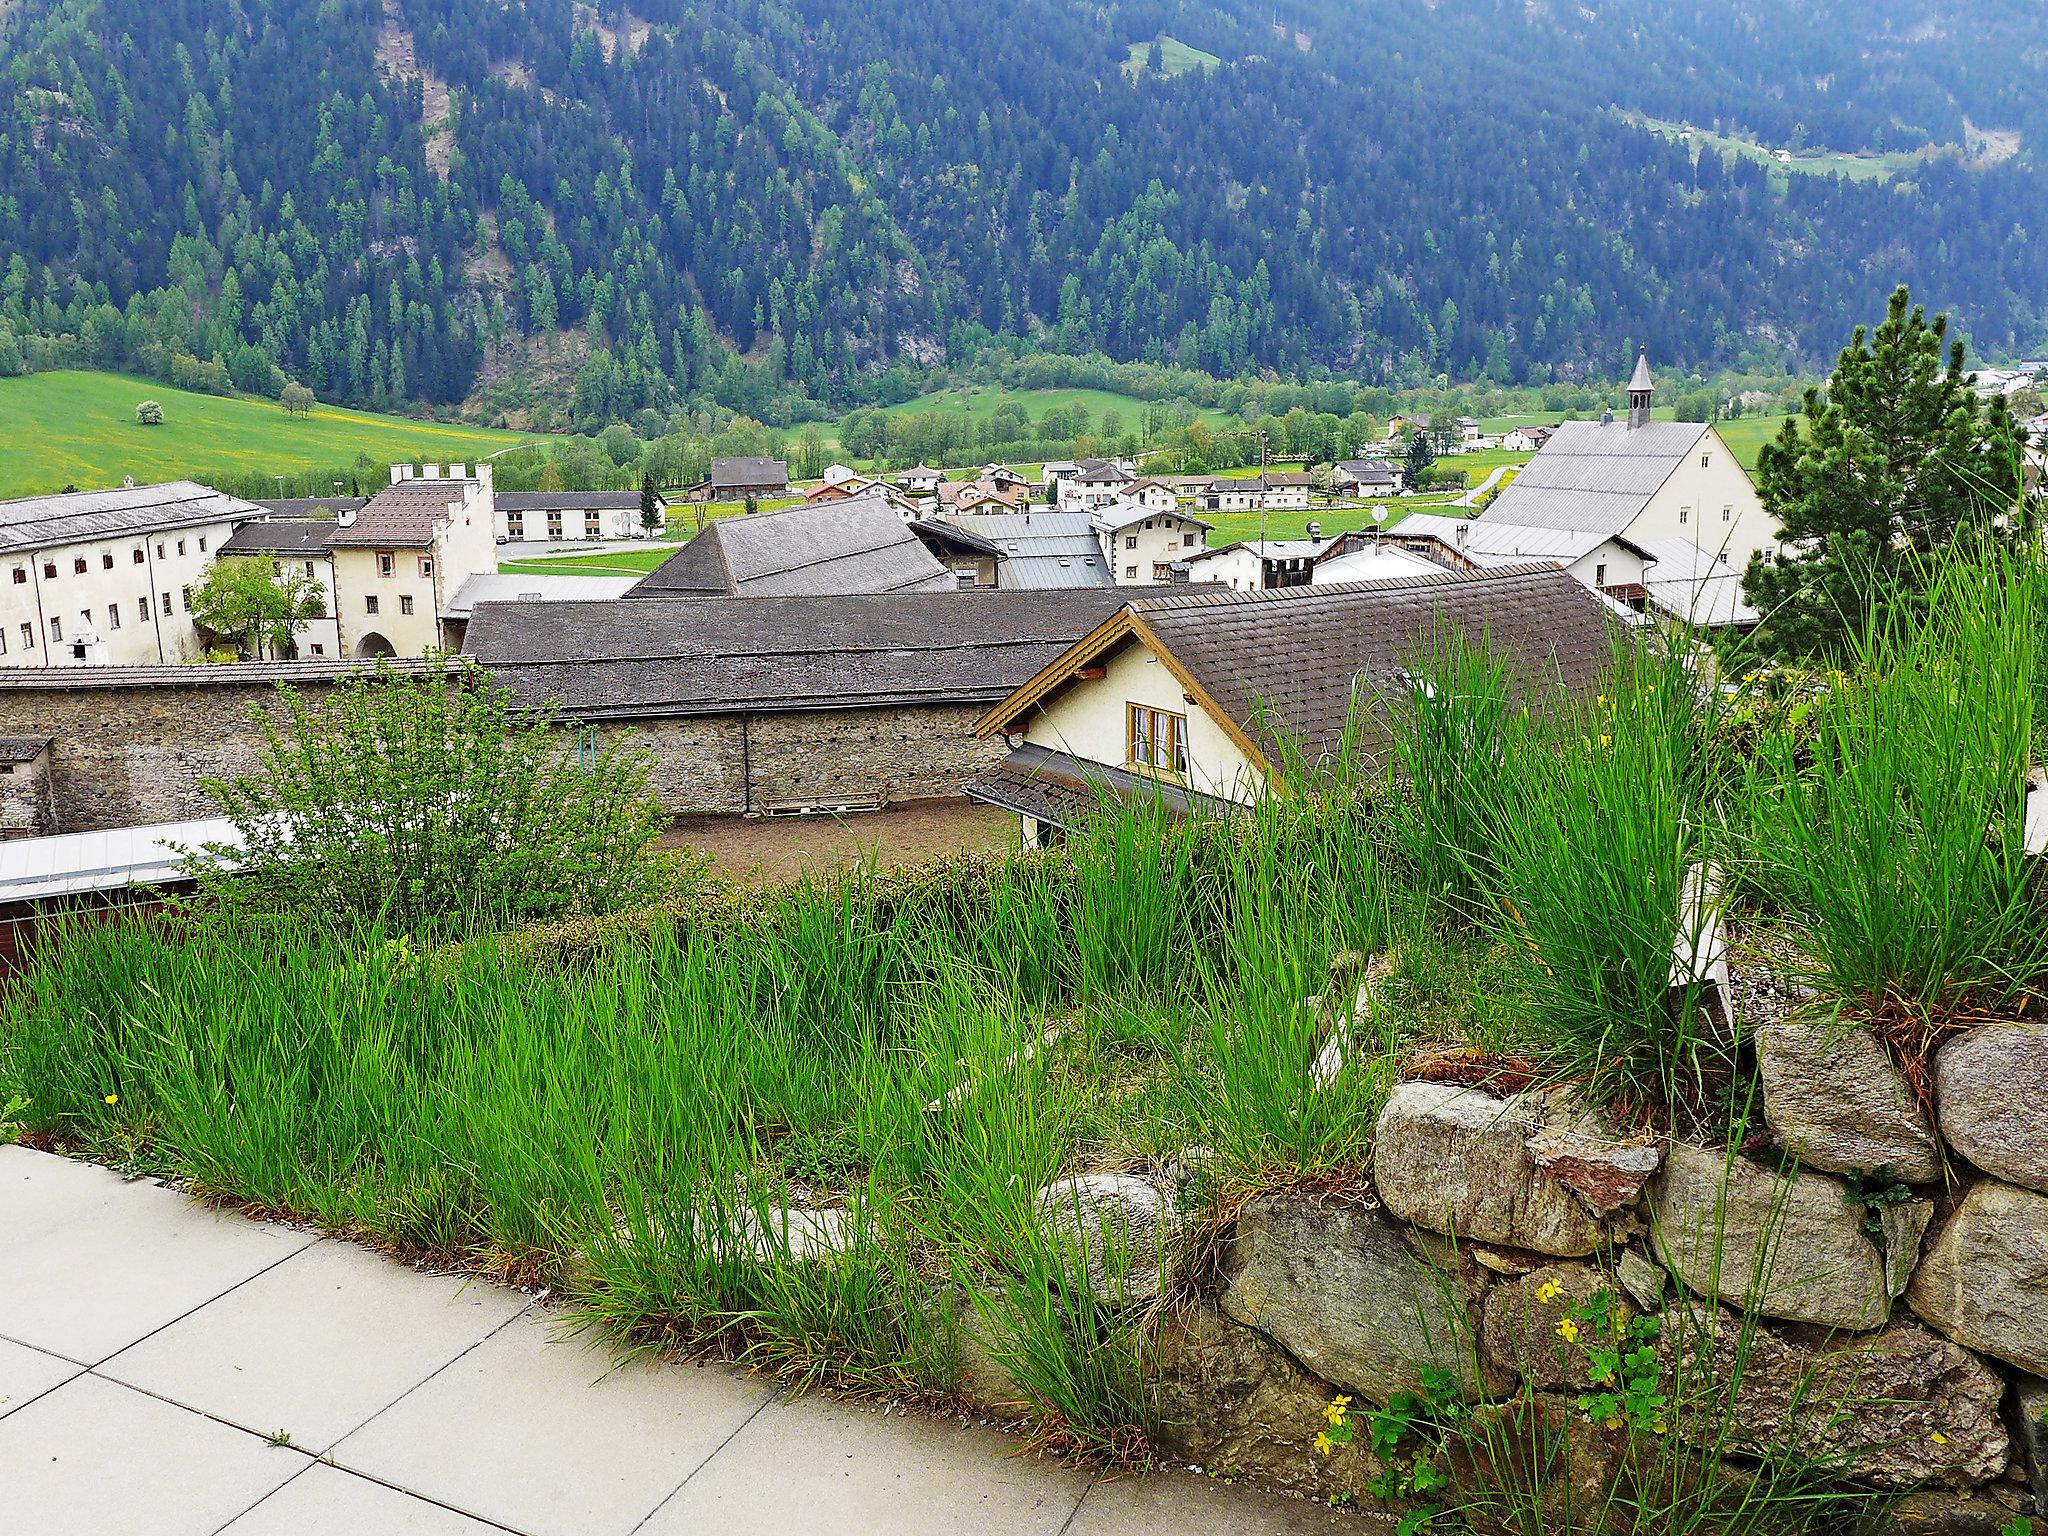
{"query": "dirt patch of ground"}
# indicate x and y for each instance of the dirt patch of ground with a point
(766, 850)
(632, 31)
(399, 58)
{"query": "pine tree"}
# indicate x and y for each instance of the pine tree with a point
(1881, 470)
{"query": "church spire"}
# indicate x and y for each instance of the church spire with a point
(1640, 388)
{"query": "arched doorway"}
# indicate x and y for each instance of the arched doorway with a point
(374, 644)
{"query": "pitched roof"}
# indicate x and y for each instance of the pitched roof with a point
(1595, 476)
(1101, 470)
(859, 544)
(1640, 381)
(567, 501)
(1290, 662)
(23, 749)
(1042, 549)
(1121, 514)
(1068, 791)
(638, 659)
(75, 517)
(1276, 478)
(1695, 585)
(746, 472)
(1489, 541)
(281, 536)
(938, 533)
(401, 516)
(1362, 468)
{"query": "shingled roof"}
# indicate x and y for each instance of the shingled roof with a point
(860, 544)
(1289, 662)
(1595, 476)
(300, 536)
(401, 516)
(635, 659)
(75, 517)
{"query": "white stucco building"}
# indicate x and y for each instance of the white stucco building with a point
(1140, 544)
(103, 578)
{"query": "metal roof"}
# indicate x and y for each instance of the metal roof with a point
(1043, 550)
(496, 587)
(115, 859)
(281, 536)
(1696, 585)
(77, 517)
(1488, 541)
(1595, 477)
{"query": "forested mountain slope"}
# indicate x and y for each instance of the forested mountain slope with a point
(730, 196)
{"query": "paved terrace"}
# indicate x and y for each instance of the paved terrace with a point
(169, 1370)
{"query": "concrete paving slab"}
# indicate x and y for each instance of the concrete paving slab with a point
(541, 1434)
(95, 1262)
(97, 1459)
(318, 1344)
(325, 1501)
(820, 1465)
(26, 1374)
(1175, 1503)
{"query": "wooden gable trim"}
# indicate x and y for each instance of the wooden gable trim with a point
(1094, 645)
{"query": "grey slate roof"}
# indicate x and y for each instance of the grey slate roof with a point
(1043, 550)
(1640, 381)
(400, 516)
(639, 659)
(939, 534)
(1594, 476)
(742, 474)
(1490, 541)
(230, 674)
(1301, 654)
(1068, 792)
(860, 544)
(76, 517)
(22, 749)
(300, 536)
(566, 501)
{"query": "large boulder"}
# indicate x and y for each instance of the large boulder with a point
(1903, 1408)
(1342, 1291)
(1991, 1088)
(1984, 1280)
(1793, 1247)
(1113, 1228)
(2030, 1430)
(1835, 1100)
(1231, 1401)
(1456, 1160)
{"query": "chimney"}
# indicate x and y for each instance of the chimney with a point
(430, 471)
(344, 515)
(1315, 533)
(1640, 388)
(1607, 418)
(1463, 530)
(399, 473)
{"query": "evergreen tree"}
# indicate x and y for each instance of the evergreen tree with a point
(650, 504)
(1885, 467)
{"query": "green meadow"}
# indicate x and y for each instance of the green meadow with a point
(75, 428)
(978, 402)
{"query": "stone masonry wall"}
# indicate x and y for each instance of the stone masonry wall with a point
(137, 753)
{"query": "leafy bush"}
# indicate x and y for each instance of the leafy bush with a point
(429, 804)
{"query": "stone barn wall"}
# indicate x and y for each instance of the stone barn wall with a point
(133, 745)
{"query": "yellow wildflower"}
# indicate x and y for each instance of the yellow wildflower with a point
(1614, 1421)
(1334, 1414)
(1549, 1291)
(1658, 1426)
(113, 1098)
(1939, 1438)
(1606, 740)
(1324, 1444)
(1568, 1330)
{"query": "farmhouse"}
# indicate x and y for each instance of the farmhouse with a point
(1094, 483)
(1609, 563)
(973, 560)
(526, 517)
(1285, 490)
(1141, 543)
(919, 480)
(859, 545)
(980, 496)
(1365, 477)
(1640, 481)
(755, 705)
(1254, 565)
(1201, 698)
(103, 578)
(737, 479)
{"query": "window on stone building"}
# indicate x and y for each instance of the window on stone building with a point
(107, 560)
(138, 556)
(167, 607)
(426, 565)
(142, 608)
(386, 562)
(28, 637)
(49, 570)
(21, 575)
(56, 627)
(405, 603)
(78, 565)
(181, 546)
(113, 615)
(369, 605)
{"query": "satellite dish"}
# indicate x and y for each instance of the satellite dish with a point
(1379, 514)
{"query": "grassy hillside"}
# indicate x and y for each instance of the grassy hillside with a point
(978, 402)
(79, 429)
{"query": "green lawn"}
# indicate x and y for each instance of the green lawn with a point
(1175, 57)
(979, 401)
(622, 562)
(78, 428)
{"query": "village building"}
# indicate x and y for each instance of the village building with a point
(1525, 439)
(973, 560)
(1154, 495)
(1141, 543)
(1365, 477)
(405, 553)
(500, 587)
(1094, 483)
(1611, 564)
(779, 705)
(858, 545)
(980, 496)
(1204, 699)
(535, 517)
(27, 806)
(299, 546)
(1231, 495)
(1257, 565)
(1003, 478)
(104, 578)
(919, 480)
(1041, 549)
(737, 479)
(1285, 490)
(1640, 483)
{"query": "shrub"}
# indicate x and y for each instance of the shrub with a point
(150, 414)
(428, 803)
